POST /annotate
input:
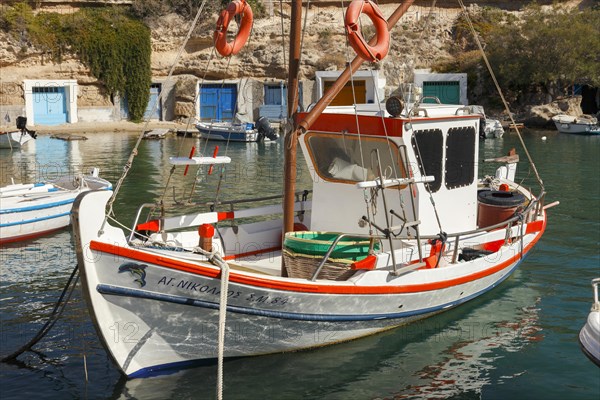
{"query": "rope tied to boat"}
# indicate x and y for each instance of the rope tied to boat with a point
(57, 311)
(215, 258)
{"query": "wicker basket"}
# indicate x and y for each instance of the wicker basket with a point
(305, 265)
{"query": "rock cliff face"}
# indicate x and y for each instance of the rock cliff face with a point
(264, 57)
(414, 44)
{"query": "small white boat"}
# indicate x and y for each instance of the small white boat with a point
(589, 336)
(30, 210)
(582, 125)
(489, 128)
(17, 139)
(493, 129)
(238, 132)
(227, 131)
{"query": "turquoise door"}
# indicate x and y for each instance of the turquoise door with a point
(124, 108)
(155, 89)
(446, 92)
(217, 102)
(152, 111)
(49, 105)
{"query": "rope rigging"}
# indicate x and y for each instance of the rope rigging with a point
(134, 152)
(500, 93)
(57, 311)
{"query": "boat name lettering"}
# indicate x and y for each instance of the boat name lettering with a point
(197, 287)
(214, 290)
(254, 298)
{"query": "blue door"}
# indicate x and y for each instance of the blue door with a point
(217, 102)
(275, 103)
(152, 111)
(49, 105)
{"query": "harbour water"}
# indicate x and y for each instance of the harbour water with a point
(517, 341)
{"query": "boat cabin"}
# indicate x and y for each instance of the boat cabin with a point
(347, 154)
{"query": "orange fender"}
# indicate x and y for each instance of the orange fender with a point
(357, 41)
(234, 8)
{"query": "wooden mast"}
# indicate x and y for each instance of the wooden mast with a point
(291, 142)
(292, 136)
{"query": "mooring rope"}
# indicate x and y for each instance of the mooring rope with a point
(216, 259)
(222, 316)
(54, 315)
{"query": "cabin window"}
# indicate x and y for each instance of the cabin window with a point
(350, 159)
(427, 145)
(460, 157)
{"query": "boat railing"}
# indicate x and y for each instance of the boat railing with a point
(435, 98)
(137, 218)
(520, 218)
(301, 206)
(301, 195)
(164, 223)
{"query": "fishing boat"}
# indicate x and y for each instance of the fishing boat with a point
(589, 336)
(19, 138)
(582, 125)
(31, 210)
(398, 226)
(227, 131)
(237, 132)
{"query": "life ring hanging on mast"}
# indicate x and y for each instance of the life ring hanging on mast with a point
(369, 53)
(236, 7)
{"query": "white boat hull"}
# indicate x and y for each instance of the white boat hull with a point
(589, 337)
(29, 210)
(227, 132)
(156, 310)
(44, 217)
(574, 125)
(14, 139)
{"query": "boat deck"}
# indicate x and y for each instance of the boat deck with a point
(267, 263)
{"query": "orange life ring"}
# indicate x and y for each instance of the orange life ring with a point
(220, 37)
(355, 37)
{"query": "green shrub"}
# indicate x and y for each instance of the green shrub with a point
(115, 47)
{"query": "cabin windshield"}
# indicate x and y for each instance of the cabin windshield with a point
(350, 159)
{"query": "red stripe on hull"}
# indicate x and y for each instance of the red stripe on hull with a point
(279, 284)
(29, 236)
